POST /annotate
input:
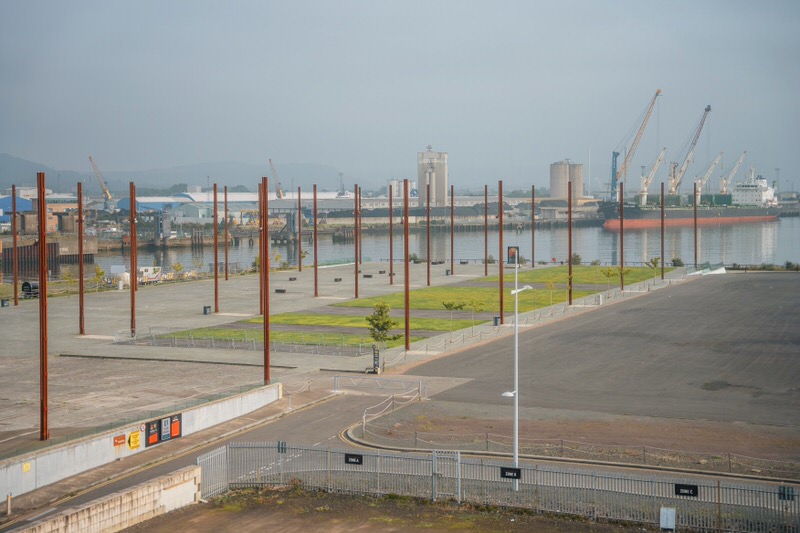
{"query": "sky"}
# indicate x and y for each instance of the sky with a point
(504, 87)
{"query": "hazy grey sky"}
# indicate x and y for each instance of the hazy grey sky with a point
(505, 87)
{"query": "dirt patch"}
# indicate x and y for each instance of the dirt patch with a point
(293, 510)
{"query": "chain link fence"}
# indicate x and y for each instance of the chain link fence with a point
(697, 503)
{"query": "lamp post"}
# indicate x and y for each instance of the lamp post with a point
(515, 392)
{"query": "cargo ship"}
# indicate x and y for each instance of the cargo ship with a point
(751, 201)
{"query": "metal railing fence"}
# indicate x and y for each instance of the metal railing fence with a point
(700, 504)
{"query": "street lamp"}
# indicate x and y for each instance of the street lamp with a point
(515, 392)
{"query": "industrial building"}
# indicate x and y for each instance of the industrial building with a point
(563, 172)
(432, 169)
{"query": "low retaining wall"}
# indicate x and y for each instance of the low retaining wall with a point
(26, 473)
(125, 509)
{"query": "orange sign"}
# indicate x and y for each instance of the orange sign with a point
(119, 440)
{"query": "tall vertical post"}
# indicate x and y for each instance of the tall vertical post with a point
(569, 236)
(360, 241)
(452, 231)
(428, 230)
(265, 276)
(485, 230)
(44, 430)
(500, 253)
(662, 231)
(316, 247)
(355, 237)
(406, 277)
(262, 230)
(516, 367)
(227, 237)
(621, 238)
(391, 238)
(299, 231)
(533, 226)
(14, 259)
(134, 264)
(216, 252)
(81, 315)
(694, 217)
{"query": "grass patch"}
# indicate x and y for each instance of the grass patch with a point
(223, 334)
(432, 297)
(581, 275)
(334, 321)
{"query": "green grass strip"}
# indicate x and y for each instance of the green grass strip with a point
(350, 321)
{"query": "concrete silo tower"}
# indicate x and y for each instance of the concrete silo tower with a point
(432, 168)
(561, 173)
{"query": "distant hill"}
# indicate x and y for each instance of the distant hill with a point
(21, 172)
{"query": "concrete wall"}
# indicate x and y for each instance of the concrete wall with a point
(125, 509)
(26, 473)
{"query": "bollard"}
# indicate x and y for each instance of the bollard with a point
(8, 504)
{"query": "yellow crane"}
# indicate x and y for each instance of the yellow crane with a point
(676, 177)
(620, 174)
(278, 189)
(725, 182)
(646, 180)
(102, 180)
(702, 181)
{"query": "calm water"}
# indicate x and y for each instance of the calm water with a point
(767, 242)
(752, 244)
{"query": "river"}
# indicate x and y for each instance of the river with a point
(759, 243)
(773, 242)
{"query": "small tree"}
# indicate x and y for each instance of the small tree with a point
(452, 306)
(576, 259)
(68, 277)
(609, 273)
(99, 274)
(551, 287)
(380, 324)
(653, 263)
(677, 262)
(177, 268)
(475, 306)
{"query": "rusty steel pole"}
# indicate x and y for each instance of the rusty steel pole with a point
(299, 232)
(694, 216)
(261, 259)
(316, 248)
(569, 236)
(406, 269)
(662, 231)
(227, 237)
(265, 277)
(500, 254)
(44, 431)
(355, 236)
(81, 315)
(621, 238)
(485, 230)
(134, 265)
(533, 226)
(391, 240)
(216, 252)
(452, 230)
(15, 267)
(428, 230)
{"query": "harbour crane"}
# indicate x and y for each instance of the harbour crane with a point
(617, 175)
(725, 182)
(646, 180)
(702, 181)
(278, 189)
(102, 180)
(676, 177)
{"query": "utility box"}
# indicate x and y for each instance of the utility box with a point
(667, 519)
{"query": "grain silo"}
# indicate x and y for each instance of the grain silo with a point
(561, 173)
